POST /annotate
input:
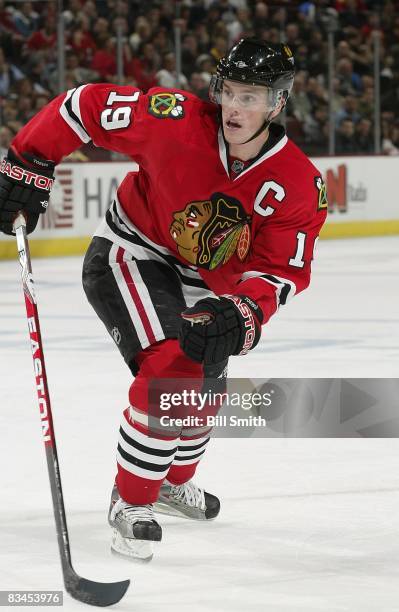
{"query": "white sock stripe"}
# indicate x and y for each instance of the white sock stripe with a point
(138, 471)
(187, 461)
(195, 431)
(153, 423)
(146, 440)
(137, 415)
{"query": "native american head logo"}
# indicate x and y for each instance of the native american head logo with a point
(208, 232)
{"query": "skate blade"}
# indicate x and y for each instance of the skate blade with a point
(141, 551)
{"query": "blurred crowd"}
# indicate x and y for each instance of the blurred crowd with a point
(29, 75)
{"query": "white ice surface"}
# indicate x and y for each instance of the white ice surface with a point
(306, 525)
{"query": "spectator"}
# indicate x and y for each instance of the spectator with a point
(6, 135)
(141, 34)
(345, 138)
(9, 74)
(104, 60)
(206, 66)
(82, 42)
(240, 24)
(161, 42)
(189, 54)
(349, 81)
(79, 73)
(316, 130)
(28, 45)
(73, 13)
(390, 137)
(299, 101)
(167, 76)
(348, 110)
(199, 85)
(364, 136)
(365, 104)
(26, 19)
(100, 31)
(46, 37)
(143, 68)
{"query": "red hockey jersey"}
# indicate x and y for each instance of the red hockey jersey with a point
(251, 232)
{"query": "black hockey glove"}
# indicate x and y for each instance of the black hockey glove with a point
(25, 184)
(214, 329)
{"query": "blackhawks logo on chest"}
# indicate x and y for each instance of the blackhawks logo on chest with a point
(208, 232)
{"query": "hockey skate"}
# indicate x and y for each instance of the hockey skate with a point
(134, 529)
(187, 500)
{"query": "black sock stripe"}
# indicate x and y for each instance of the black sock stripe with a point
(177, 458)
(145, 465)
(192, 448)
(146, 449)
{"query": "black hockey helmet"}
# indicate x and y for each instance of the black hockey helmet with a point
(256, 62)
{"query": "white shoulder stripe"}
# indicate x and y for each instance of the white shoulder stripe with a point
(76, 104)
(73, 124)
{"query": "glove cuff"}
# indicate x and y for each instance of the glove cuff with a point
(29, 160)
(36, 174)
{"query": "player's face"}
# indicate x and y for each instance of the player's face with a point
(244, 108)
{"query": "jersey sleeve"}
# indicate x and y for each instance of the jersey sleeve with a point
(282, 252)
(110, 116)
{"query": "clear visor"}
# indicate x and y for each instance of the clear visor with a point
(248, 97)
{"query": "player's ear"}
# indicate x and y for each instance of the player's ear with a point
(277, 110)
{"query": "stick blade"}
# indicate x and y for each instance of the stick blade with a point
(100, 594)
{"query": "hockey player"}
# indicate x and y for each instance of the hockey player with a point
(199, 249)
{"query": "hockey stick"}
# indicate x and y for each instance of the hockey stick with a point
(94, 593)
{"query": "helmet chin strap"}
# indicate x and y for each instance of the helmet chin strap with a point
(263, 127)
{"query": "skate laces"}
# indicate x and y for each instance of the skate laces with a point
(189, 494)
(132, 513)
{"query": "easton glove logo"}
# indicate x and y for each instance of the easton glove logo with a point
(209, 232)
(249, 321)
(26, 176)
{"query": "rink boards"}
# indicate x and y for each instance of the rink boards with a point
(361, 194)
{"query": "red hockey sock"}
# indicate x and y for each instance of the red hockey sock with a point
(144, 460)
